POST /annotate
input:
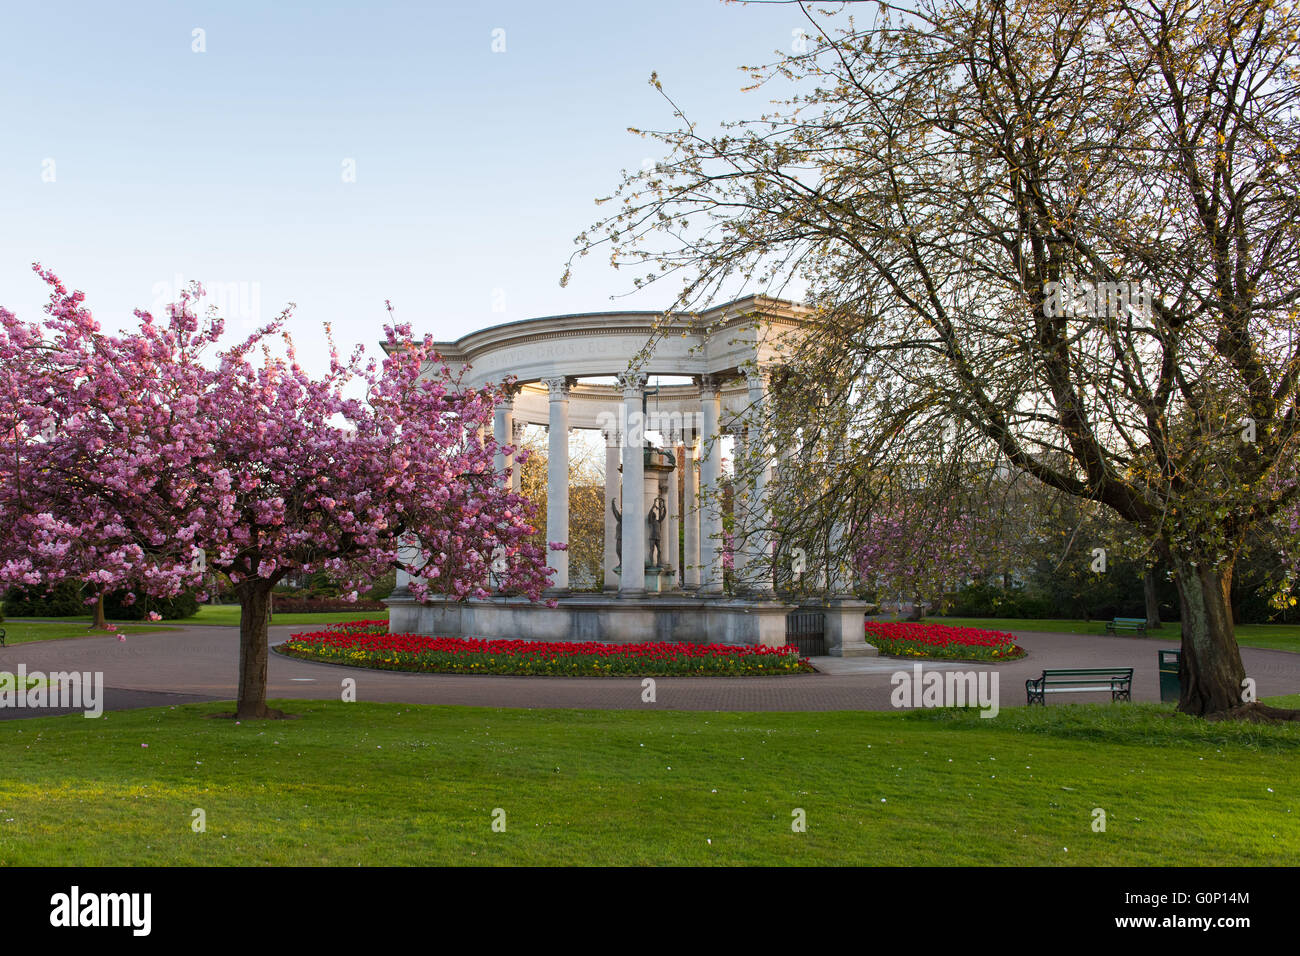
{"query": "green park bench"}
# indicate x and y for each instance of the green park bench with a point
(1117, 680)
(2, 637)
(1138, 624)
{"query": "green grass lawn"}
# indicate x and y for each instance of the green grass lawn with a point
(19, 631)
(1281, 637)
(401, 784)
(228, 614)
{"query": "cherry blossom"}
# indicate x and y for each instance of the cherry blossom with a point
(149, 460)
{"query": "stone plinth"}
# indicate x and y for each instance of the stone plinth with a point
(596, 617)
(845, 628)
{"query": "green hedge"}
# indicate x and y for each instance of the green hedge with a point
(986, 600)
(175, 608)
(66, 599)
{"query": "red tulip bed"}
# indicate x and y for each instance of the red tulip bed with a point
(367, 644)
(939, 640)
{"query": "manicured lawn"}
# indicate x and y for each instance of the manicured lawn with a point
(208, 615)
(1056, 625)
(1282, 637)
(19, 631)
(1291, 701)
(228, 614)
(1278, 637)
(387, 783)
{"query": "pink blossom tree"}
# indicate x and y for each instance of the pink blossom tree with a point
(147, 460)
(920, 552)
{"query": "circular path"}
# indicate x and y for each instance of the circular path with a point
(200, 664)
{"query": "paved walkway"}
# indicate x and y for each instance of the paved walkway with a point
(200, 663)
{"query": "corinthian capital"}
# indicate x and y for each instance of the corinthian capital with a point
(758, 379)
(632, 383)
(558, 386)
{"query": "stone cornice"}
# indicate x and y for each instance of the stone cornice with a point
(700, 325)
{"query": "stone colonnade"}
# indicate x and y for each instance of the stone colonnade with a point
(562, 369)
(694, 439)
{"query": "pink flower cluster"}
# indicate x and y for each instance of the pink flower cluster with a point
(148, 459)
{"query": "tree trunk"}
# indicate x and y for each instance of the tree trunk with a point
(1211, 672)
(1152, 599)
(100, 622)
(254, 605)
(918, 609)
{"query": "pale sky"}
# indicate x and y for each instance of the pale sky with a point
(129, 160)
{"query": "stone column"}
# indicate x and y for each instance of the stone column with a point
(821, 581)
(760, 518)
(516, 476)
(691, 514)
(503, 431)
(557, 481)
(710, 476)
(407, 552)
(671, 537)
(632, 581)
(741, 491)
(613, 439)
(780, 490)
(840, 584)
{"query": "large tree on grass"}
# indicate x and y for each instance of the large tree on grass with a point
(1065, 231)
(147, 459)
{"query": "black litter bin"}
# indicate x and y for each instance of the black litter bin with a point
(1170, 686)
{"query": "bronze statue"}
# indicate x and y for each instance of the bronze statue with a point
(654, 523)
(618, 529)
(656, 519)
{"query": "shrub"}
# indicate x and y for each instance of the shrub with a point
(175, 608)
(986, 600)
(67, 599)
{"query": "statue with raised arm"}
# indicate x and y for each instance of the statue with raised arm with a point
(618, 528)
(656, 521)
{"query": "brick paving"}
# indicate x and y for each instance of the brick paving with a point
(199, 663)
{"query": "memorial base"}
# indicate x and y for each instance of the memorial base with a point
(597, 617)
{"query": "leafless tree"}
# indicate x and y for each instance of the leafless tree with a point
(1060, 236)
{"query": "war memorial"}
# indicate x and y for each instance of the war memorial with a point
(662, 501)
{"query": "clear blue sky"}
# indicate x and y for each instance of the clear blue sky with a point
(474, 169)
